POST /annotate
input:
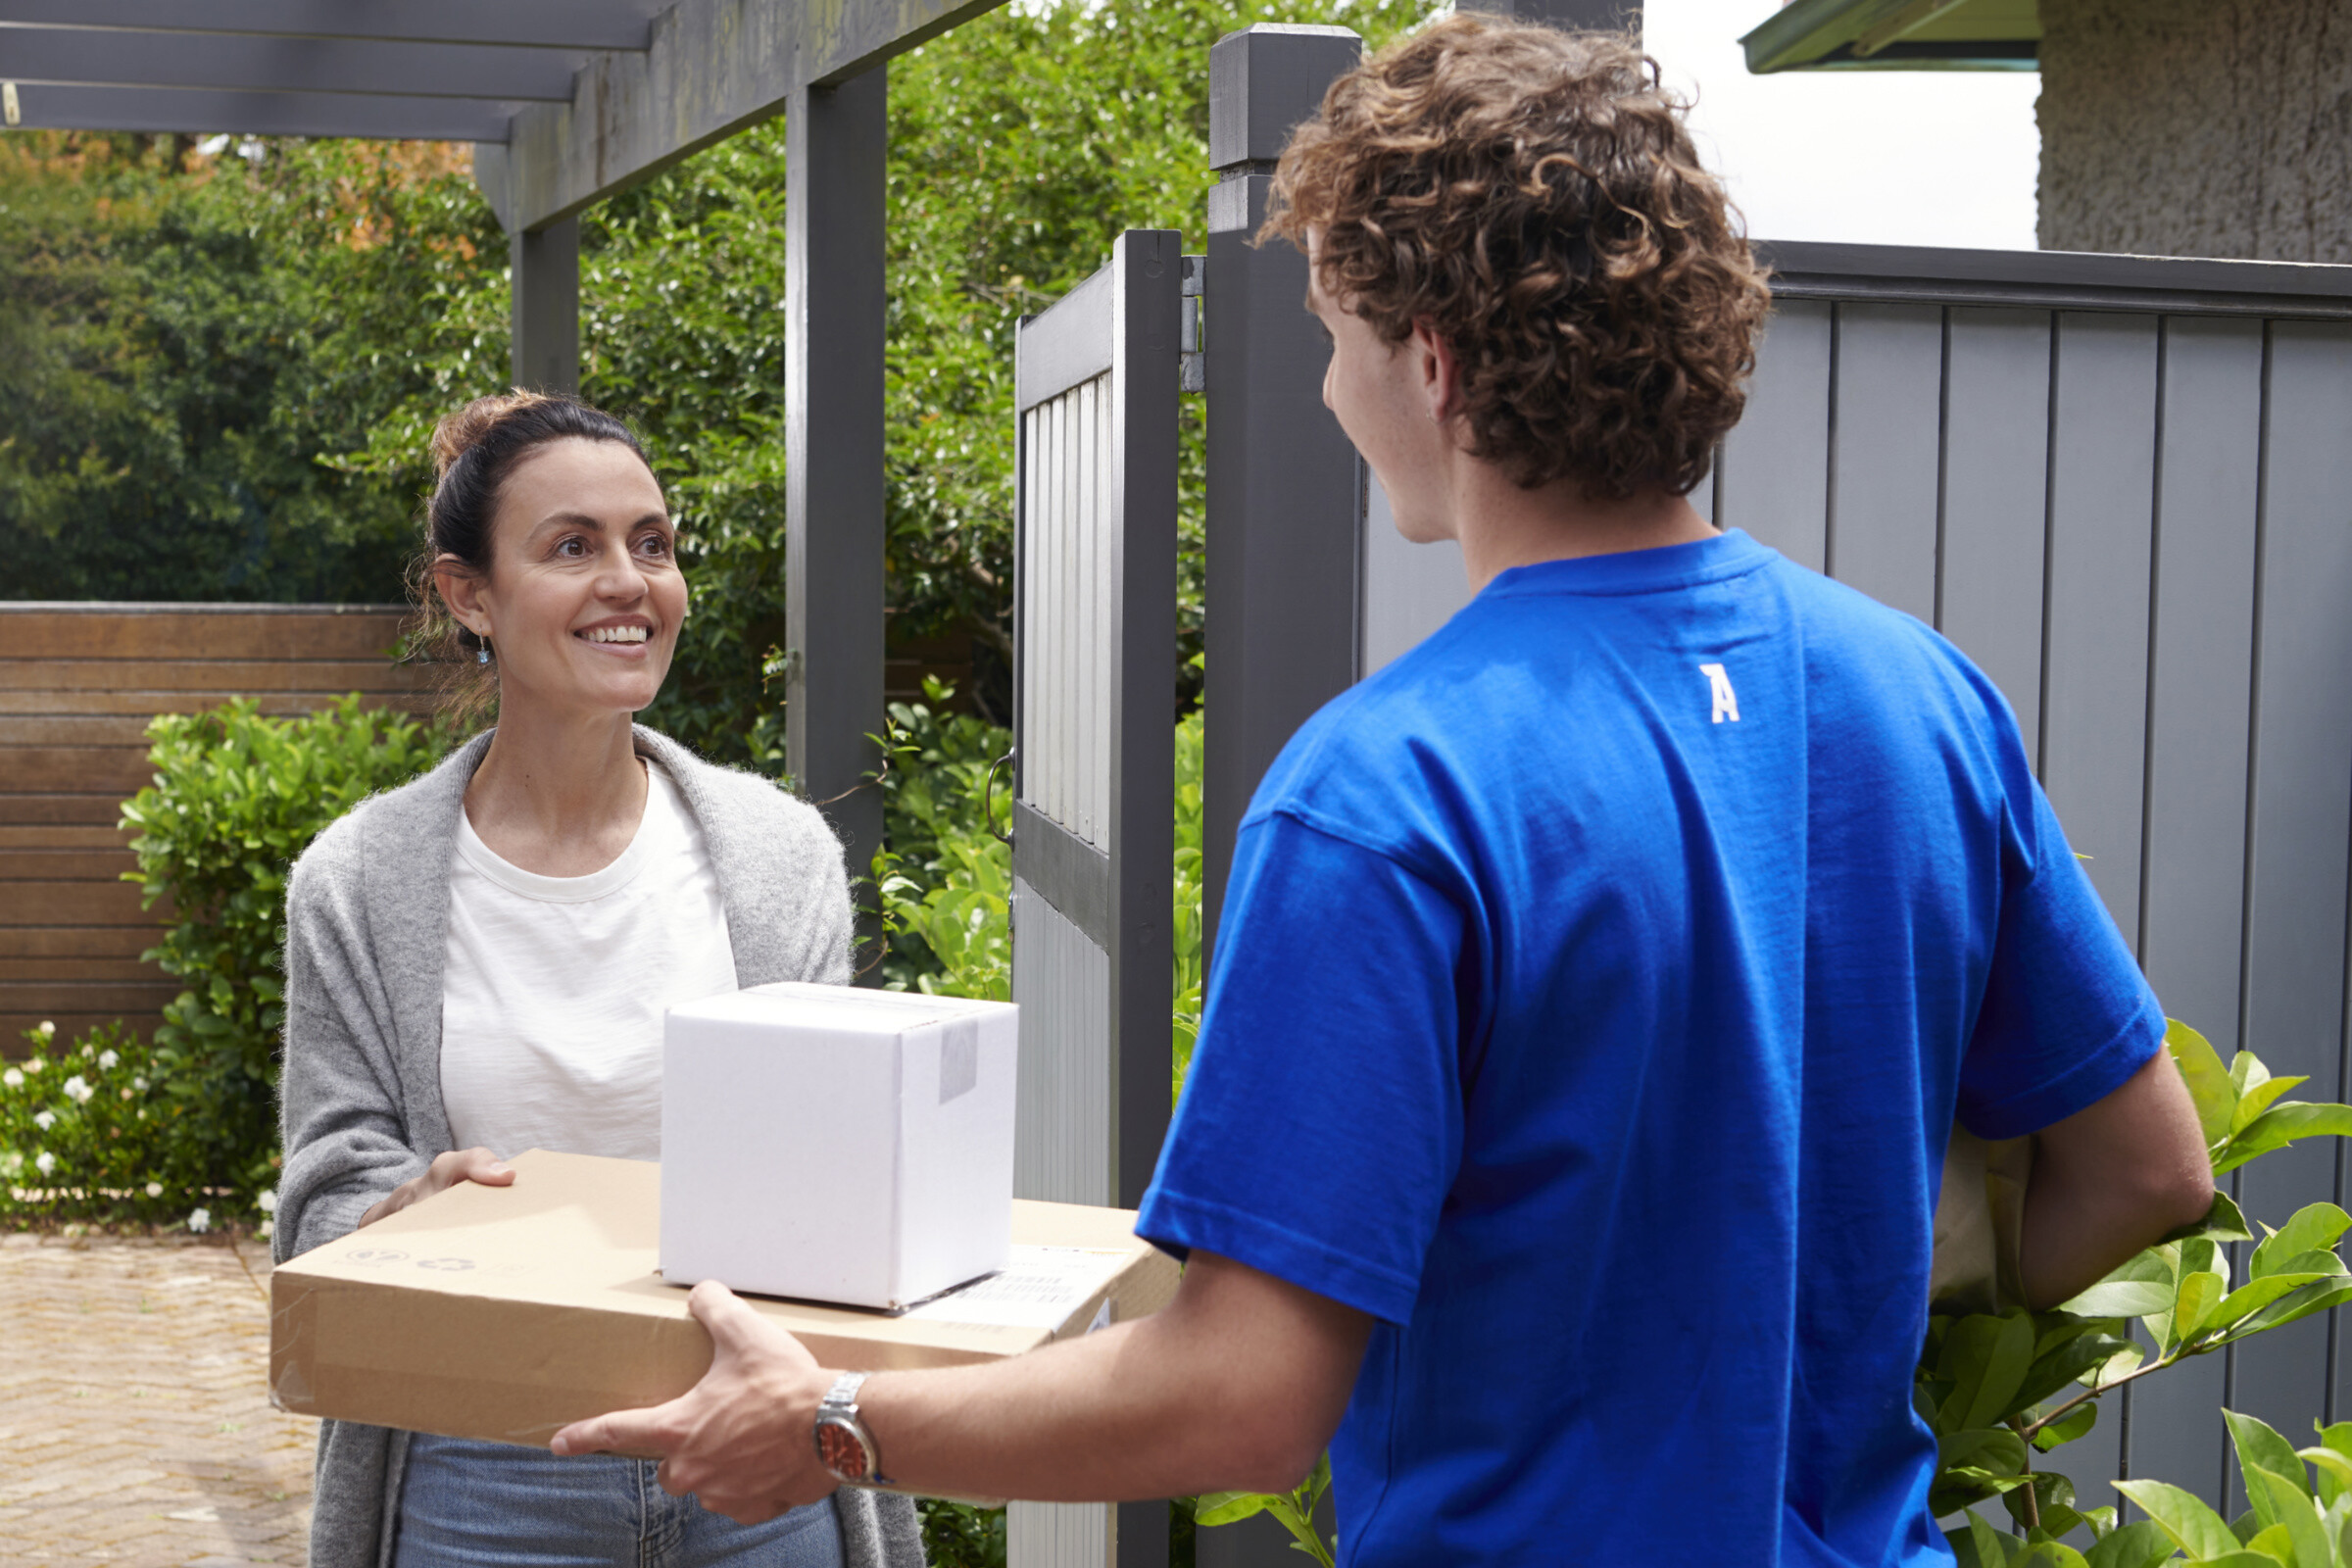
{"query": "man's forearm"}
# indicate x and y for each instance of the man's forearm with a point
(1136, 1410)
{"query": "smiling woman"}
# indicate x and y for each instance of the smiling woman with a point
(478, 963)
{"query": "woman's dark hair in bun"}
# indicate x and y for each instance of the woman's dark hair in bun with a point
(474, 451)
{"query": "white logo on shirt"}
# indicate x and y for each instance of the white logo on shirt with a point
(1727, 700)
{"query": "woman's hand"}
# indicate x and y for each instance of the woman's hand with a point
(446, 1170)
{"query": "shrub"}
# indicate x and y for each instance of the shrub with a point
(237, 795)
(88, 1132)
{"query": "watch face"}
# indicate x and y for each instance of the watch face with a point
(840, 1451)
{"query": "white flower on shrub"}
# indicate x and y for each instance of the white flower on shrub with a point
(107, 1060)
(141, 1084)
(154, 1188)
(267, 1201)
(44, 1120)
(45, 1162)
(78, 1090)
(13, 1078)
(47, 1031)
(201, 1221)
(34, 1064)
(126, 1094)
(267, 1226)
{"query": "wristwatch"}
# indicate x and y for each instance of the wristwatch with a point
(843, 1446)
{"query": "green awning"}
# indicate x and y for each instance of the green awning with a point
(1897, 35)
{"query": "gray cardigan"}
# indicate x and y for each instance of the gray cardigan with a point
(367, 927)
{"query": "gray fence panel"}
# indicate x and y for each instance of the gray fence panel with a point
(2094, 682)
(1888, 412)
(1775, 480)
(1995, 486)
(1063, 979)
(2300, 841)
(2199, 715)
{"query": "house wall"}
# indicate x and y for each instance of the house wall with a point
(2197, 127)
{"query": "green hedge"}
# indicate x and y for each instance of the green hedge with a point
(133, 1130)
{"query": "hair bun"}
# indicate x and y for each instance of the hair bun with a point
(459, 432)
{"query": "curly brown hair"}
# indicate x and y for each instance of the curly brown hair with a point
(1534, 196)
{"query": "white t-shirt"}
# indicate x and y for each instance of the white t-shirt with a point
(555, 987)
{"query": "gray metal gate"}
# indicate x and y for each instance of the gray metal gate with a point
(1095, 681)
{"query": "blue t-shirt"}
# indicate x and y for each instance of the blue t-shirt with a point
(1595, 990)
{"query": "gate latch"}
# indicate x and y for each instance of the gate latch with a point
(1192, 369)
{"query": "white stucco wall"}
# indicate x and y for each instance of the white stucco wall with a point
(2197, 127)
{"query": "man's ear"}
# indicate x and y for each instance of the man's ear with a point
(1439, 373)
(461, 589)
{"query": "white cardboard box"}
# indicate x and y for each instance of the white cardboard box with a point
(837, 1145)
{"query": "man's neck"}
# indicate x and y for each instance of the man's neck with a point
(1501, 526)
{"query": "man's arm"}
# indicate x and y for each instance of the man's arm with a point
(1238, 1385)
(2111, 1178)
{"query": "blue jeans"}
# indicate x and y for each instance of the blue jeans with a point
(466, 1504)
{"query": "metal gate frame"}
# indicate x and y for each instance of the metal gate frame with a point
(1094, 776)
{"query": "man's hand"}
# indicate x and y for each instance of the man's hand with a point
(742, 1440)
(446, 1170)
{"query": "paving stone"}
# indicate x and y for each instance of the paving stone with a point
(135, 1410)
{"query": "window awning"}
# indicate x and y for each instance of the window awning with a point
(1897, 35)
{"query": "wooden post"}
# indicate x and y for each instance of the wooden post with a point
(545, 268)
(833, 499)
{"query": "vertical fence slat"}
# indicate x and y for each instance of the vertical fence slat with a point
(2193, 871)
(1995, 482)
(1889, 380)
(1776, 461)
(2299, 840)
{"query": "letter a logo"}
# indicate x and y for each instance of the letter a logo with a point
(1727, 700)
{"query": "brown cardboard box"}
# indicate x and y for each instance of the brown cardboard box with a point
(508, 1313)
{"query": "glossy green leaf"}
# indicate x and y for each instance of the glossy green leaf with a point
(2222, 1222)
(2209, 1083)
(2294, 1509)
(2313, 1228)
(2250, 1297)
(2067, 1428)
(2274, 1541)
(1988, 1358)
(2253, 1101)
(2261, 1449)
(2193, 1527)
(1978, 1544)
(2142, 1543)
(2049, 1554)
(2246, 1072)
(2144, 1286)
(2201, 1294)
(2317, 1297)
(2283, 1124)
(1230, 1507)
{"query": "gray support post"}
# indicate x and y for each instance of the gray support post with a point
(545, 271)
(1285, 487)
(833, 508)
(1605, 15)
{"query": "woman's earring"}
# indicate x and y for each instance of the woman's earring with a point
(482, 655)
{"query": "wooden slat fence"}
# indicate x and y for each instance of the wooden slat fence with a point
(78, 683)
(2124, 486)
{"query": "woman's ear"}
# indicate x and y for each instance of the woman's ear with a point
(461, 589)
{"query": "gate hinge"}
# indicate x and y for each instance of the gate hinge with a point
(1192, 369)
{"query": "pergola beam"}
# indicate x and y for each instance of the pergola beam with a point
(217, 61)
(198, 111)
(540, 24)
(713, 67)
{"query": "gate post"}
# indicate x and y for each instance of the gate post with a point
(1285, 487)
(544, 277)
(837, 142)
(1604, 15)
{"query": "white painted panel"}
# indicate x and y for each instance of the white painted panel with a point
(1061, 1138)
(1069, 571)
(1057, 1534)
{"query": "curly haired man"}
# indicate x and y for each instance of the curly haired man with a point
(1599, 983)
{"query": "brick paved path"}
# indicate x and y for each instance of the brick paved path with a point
(136, 1425)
